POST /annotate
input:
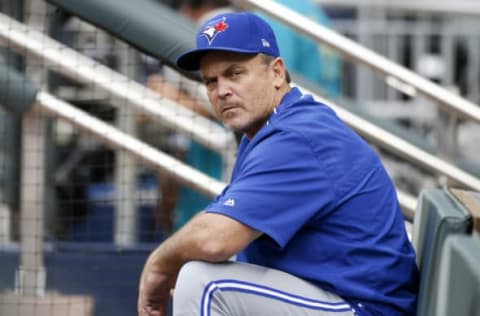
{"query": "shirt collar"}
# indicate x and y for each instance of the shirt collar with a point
(288, 99)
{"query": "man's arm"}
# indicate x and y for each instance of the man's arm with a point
(169, 90)
(207, 237)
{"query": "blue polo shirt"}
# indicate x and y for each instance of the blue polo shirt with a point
(326, 207)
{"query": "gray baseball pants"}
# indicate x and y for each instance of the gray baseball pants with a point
(241, 289)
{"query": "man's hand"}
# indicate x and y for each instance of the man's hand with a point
(154, 292)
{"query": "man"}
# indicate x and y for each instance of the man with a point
(310, 211)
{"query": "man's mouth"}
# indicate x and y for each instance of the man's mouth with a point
(229, 108)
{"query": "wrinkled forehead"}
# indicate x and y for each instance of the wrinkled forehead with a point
(222, 59)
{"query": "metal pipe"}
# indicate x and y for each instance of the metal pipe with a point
(448, 100)
(401, 147)
(120, 140)
(31, 273)
(83, 69)
(125, 219)
(459, 7)
(116, 138)
(19, 38)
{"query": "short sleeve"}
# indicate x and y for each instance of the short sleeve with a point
(280, 185)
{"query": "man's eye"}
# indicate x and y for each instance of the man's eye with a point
(210, 84)
(236, 73)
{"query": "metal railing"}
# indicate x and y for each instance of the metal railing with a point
(463, 7)
(402, 148)
(31, 275)
(130, 93)
(397, 76)
(121, 140)
(68, 61)
(370, 131)
(127, 92)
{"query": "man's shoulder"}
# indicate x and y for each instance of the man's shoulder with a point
(309, 117)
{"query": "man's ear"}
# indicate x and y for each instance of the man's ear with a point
(279, 72)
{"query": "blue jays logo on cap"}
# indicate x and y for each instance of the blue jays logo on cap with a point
(211, 30)
(240, 32)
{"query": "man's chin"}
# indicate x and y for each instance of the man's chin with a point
(234, 125)
(236, 128)
(243, 126)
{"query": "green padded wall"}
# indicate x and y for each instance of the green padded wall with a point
(437, 216)
(147, 25)
(459, 284)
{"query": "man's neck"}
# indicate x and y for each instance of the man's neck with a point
(283, 90)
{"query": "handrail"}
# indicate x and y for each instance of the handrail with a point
(137, 94)
(394, 74)
(83, 69)
(52, 105)
(461, 7)
(402, 148)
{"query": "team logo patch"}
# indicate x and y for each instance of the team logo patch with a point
(211, 30)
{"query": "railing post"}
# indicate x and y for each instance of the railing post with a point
(5, 222)
(125, 215)
(31, 274)
(446, 135)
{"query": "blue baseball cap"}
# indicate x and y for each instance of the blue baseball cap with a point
(241, 32)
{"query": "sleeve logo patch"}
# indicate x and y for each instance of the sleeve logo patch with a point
(229, 202)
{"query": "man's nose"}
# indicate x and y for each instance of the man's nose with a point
(223, 89)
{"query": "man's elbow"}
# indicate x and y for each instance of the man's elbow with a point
(217, 237)
(216, 250)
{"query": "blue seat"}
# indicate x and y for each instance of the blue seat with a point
(459, 283)
(438, 215)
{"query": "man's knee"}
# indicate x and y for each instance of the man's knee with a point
(193, 270)
(192, 280)
(194, 276)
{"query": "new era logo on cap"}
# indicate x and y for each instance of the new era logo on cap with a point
(242, 32)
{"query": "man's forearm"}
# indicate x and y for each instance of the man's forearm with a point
(207, 237)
